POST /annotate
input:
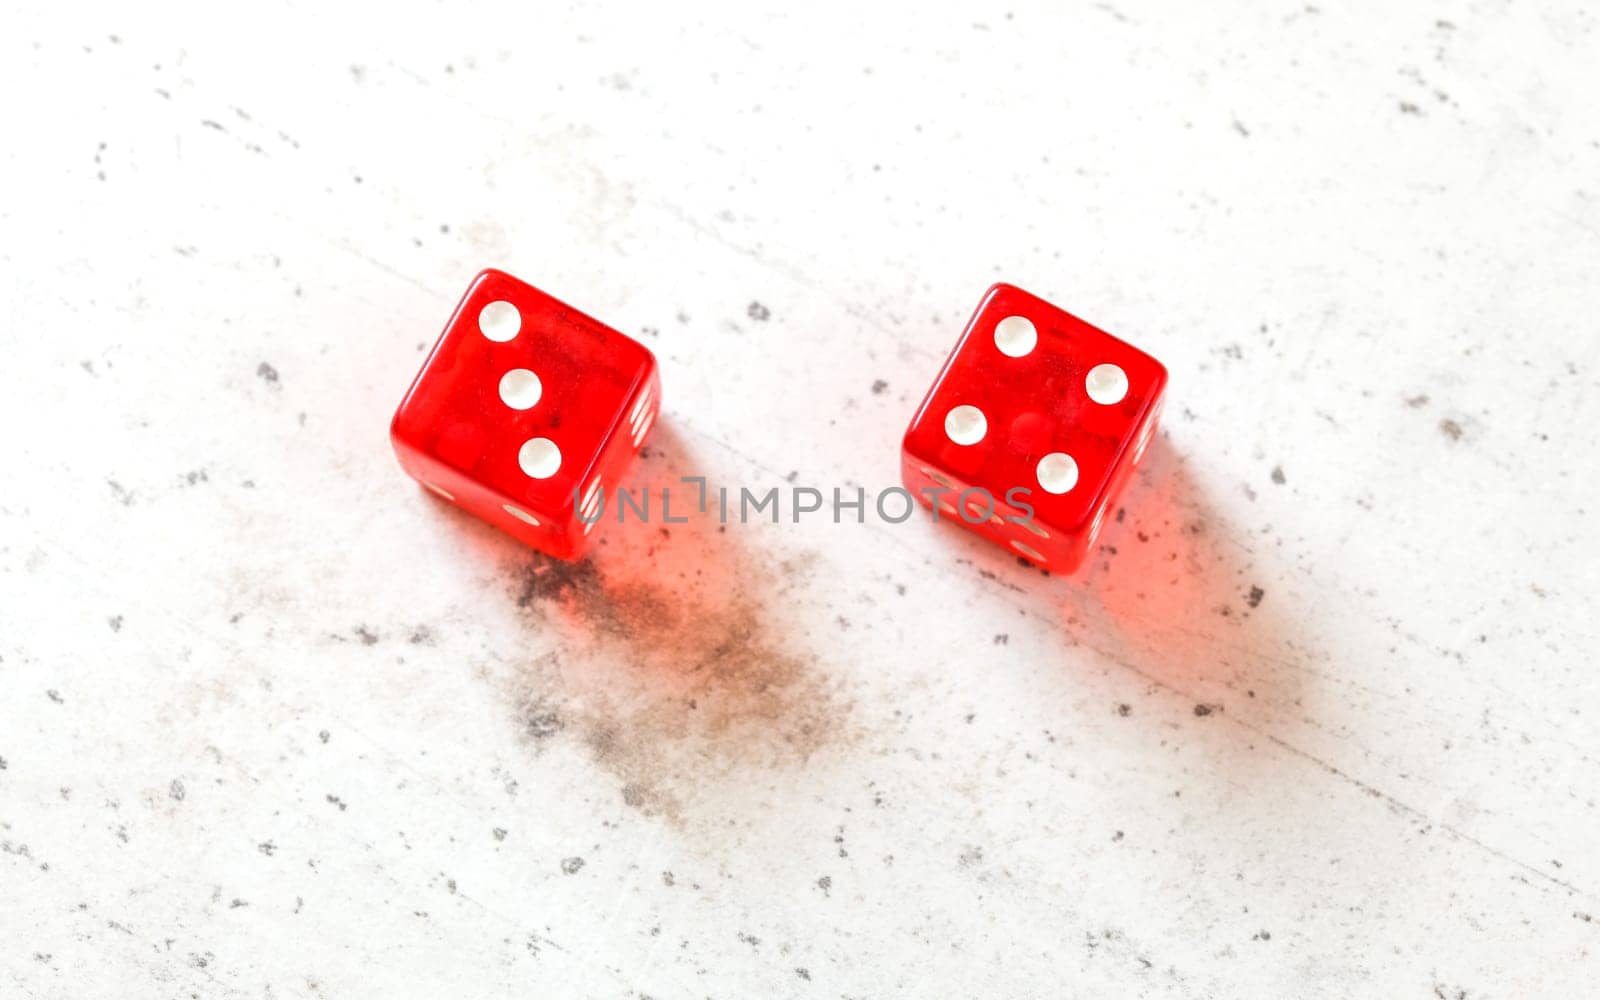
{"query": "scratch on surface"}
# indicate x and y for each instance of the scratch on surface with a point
(1414, 813)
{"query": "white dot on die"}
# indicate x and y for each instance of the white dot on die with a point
(520, 514)
(1028, 550)
(643, 416)
(1057, 472)
(520, 389)
(966, 425)
(1106, 384)
(643, 428)
(1033, 526)
(539, 458)
(499, 321)
(591, 500)
(1015, 336)
(1144, 440)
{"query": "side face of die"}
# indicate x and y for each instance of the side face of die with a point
(1037, 411)
(526, 413)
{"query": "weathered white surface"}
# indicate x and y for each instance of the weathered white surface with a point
(275, 723)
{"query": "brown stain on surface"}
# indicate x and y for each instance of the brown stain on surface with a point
(678, 664)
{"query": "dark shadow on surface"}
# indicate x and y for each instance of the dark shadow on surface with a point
(1172, 594)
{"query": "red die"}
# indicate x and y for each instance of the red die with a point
(526, 413)
(1033, 428)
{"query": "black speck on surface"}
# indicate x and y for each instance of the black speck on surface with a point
(267, 847)
(1203, 710)
(1450, 429)
(1124, 710)
(541, 721)
(571, 866)
(324, 736)
(176, 790)
(1418, 401)
(55, 696)
(3, 764)
(1277, 475)
(115, 621)
(879, 387)
(267, 373)
(366, 635)
(341, 803)
(499, 833)
(1256, 594)
(803, 973)
(758, 312)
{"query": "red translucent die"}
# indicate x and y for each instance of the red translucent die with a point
(1034, 409)
(526, 413)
